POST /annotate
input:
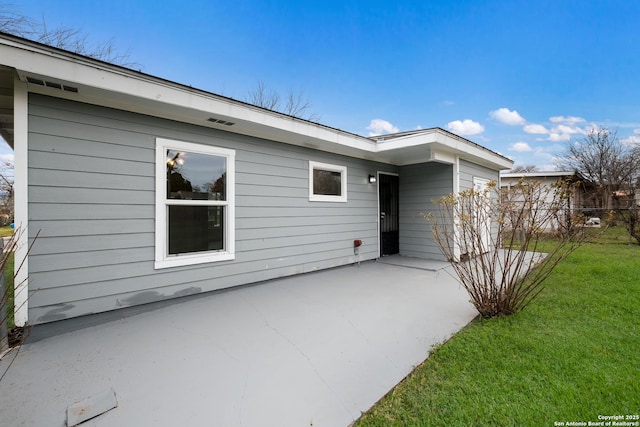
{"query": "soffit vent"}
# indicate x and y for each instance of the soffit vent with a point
(53, 85)
(221, 122)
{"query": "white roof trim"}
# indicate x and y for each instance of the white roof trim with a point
(535, 174)
(105, 84)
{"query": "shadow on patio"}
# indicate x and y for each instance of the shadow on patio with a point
(310, 350)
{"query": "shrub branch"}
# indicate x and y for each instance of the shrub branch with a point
(504, 243)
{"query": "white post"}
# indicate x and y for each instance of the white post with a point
(21, 219)
(456, 190)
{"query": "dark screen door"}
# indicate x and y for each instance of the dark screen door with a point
(388, 188)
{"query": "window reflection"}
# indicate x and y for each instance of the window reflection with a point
(195, 176)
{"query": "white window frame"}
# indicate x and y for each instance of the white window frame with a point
(333, 168)
(162, 257)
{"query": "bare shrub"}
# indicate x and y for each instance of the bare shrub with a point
(630, 217)
(503, 243)
(7, 295)
(7, 251)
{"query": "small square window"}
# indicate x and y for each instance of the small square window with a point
(327, 183)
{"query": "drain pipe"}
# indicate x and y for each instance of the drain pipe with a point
(356, 249)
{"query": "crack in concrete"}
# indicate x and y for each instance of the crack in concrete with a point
(298, 349)
(343, 315)
(242, 396)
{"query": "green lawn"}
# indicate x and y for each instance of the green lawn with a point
(8, 281)
(572, 355)
(6, 231)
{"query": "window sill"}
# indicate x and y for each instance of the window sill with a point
(185, 260)
(332, 199)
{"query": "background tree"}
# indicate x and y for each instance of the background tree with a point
(601, 158)
(67, 38)
(524, 169)
(614, 167)
(6, 192)
(295, 104)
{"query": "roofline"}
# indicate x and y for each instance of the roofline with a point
(116, 86)
(160, 80)
(575, 176)
(410, 133)
(537, 174)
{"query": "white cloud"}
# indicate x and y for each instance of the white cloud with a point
(521, 147)
(503, 115)
(572, 120)
(633, 139)
(567, 129)
(636, 131)
(540, 155)
(6, 157)
(380, 127)
(448, 103)
(559, 137)
(564, 132)
(535, 129)
(465, 127)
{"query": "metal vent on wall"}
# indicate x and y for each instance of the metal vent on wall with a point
(222, 122)
(53, 85)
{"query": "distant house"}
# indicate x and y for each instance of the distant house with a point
(144, 189)
(581, 199)
(625, 198)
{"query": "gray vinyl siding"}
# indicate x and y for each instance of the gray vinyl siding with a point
(420, 186)
(91, 197)
(470, 170)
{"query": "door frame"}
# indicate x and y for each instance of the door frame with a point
(379, 239)
(479, 186)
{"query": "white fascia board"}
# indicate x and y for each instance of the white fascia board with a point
(535, 174)
(445, 148)
(151, 95)
(432, 153)
(405, 141)
(480, 154)
(36, 62)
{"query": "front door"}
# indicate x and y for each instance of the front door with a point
(388, 189)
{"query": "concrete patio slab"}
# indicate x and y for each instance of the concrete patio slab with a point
(311, 350)
(419, 263)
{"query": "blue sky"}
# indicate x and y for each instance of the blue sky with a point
(519, 77)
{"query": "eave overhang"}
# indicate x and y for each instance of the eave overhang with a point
(100, 83)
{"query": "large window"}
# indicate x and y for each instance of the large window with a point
(327, 183)
(194, 203)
